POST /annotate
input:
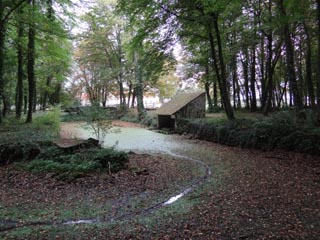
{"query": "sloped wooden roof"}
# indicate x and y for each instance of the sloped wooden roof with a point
(177, 102)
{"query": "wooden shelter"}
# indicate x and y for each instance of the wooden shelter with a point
(185, 105)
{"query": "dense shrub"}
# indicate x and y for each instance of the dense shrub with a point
(48, 120)
(73, 114)
(117, 160)
(44, 128)
(284, 130)
(68, 166)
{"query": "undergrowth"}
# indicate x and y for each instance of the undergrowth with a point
(283, 130)
(69, 166)
(45, 126)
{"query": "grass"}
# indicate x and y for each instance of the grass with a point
(45, 127)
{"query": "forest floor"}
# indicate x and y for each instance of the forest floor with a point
(250, 195)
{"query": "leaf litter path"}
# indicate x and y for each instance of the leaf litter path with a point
(150, 182)
(250, 195)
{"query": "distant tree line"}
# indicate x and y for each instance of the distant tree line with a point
(34, 55)
(112, 59)
(258, 55)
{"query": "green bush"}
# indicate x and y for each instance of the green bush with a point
(68, 166)
(283, 130)
(49, 120)
(117, 159)
(150, 120)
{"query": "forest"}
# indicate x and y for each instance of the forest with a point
(256, 55)
(81, 152)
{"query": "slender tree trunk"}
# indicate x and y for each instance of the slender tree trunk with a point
(121, 91)
(224, 85)
(133, 98)
(1, 71)
(19, 89)
(216, 67)
(269, 87)
(25, 104)
(46, 93)
(55, 96)
(30, 65)
(290, 59)
(3, 20)
(253, 80)
(318, 61)
(234, 95)
(238, 92)
(139, 87)
(35, 95)
(215, 95)
(6, 105)
(246, 77)
(2, 36)
(129, 94)
(220, 67)
(263, 92)
(207, 89)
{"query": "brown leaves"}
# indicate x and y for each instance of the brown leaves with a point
(251, 195)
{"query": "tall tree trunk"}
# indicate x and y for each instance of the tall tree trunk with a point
(215, 95)
(224, 85)
(30, 65)
(19, 89)
(220, 68)
(2, 36)
(245, 66)
(238, 92)
(120, 75)
(235, 91)
(318, 61)
(1, 72)
(290, 59)
(6, 105)
(55, 96)
(253, 80)
(269, 87)
(4, 17)
(129, 94)
(207, 89)
(133, 98)
(139, 87)
(46, 93)
(25, 103)
(121, 91)
(263, 92)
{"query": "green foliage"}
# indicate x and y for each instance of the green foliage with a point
(68, 166)
(46, 126)
(150, 120)
(50, 120)
(282, 130)
(111, 158)
(130, 116)
(98, 122)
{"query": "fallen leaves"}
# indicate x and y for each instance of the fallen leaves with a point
(251, 195)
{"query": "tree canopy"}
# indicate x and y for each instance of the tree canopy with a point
(257, 55)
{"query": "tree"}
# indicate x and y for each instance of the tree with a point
(290, 57)
(7, 7)
(101, 53)
(31, 62)
(318, 59)
(20, 71)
